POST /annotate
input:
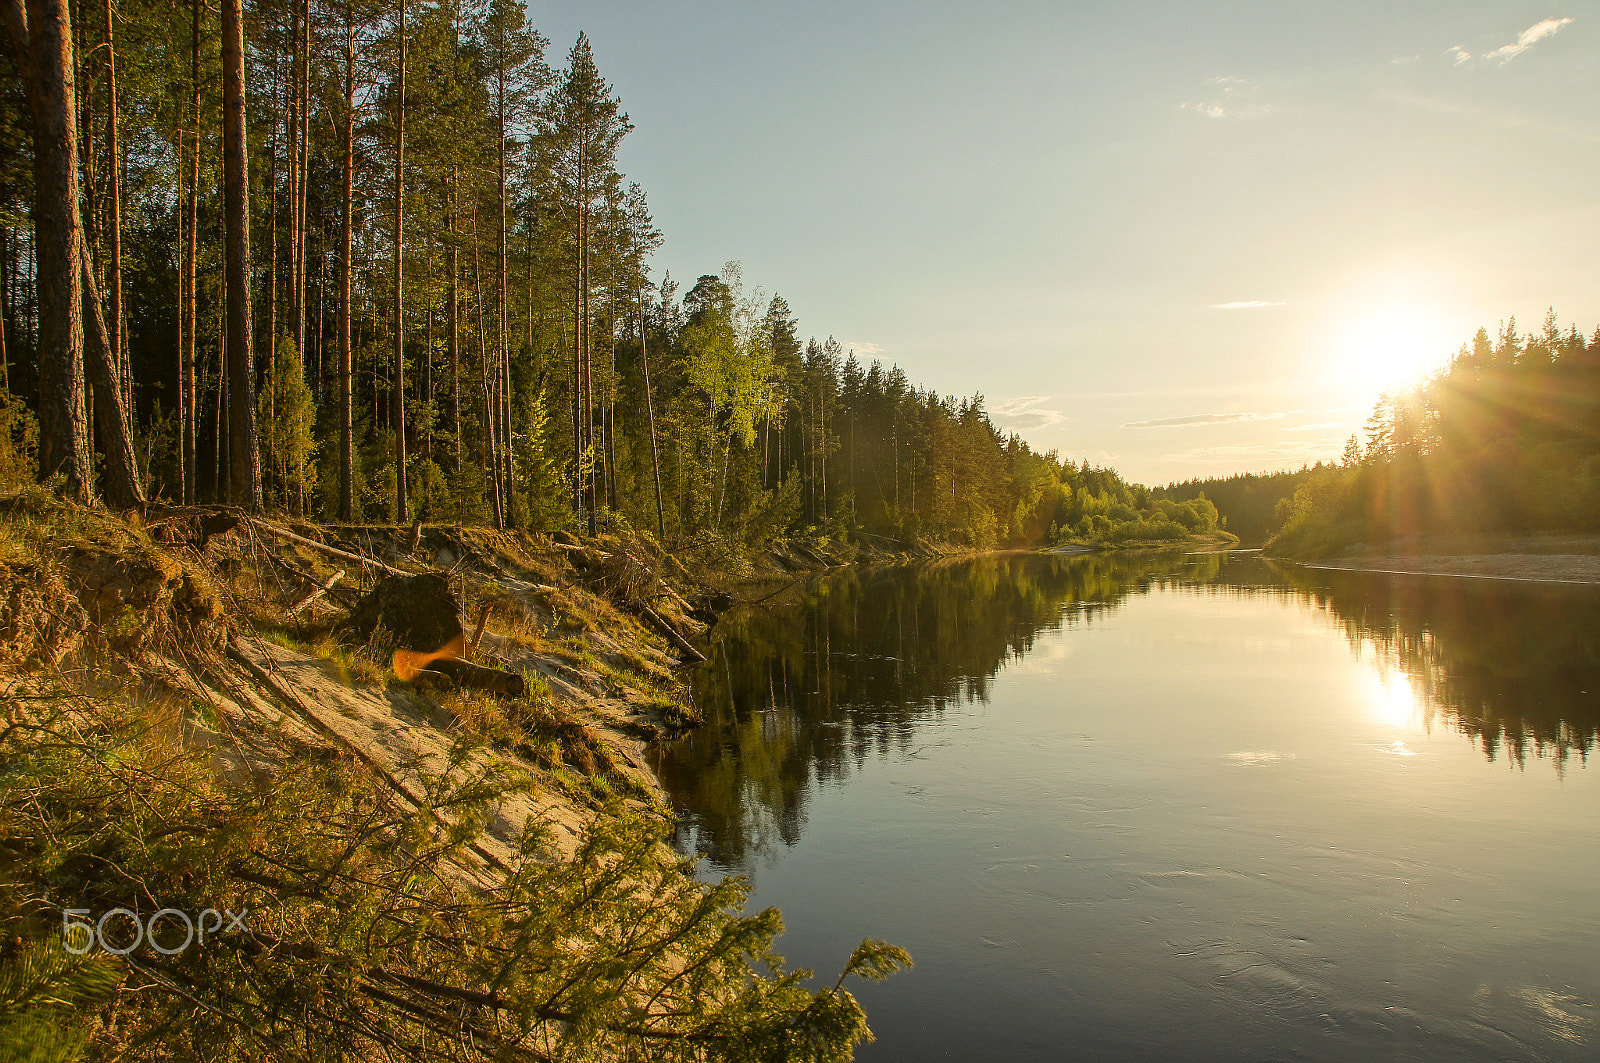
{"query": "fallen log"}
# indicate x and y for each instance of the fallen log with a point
(467, 674)
(432, 680)
(655, 620)
(674, 595)
(334, 551)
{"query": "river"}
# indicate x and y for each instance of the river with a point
(1168, 807)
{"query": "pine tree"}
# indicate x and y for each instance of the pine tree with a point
(245, 471)
(579, 133)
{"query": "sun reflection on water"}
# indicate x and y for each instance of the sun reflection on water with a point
(1391, 698)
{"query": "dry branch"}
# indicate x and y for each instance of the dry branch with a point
(334, 551)
(671, 633)
(316, 592)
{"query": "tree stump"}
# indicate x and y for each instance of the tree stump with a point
(423, 618)
(418, 612)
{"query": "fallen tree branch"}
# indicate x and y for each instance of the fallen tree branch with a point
(285, 533)
(316, 592)
(671, 633)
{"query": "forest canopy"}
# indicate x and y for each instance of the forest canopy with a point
(411, 282)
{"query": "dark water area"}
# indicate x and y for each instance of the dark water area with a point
(1184, 806)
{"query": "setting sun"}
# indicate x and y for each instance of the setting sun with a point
(1392, 346)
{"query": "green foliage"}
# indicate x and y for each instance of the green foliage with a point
(429, 489)
(19, 442)
(365, 933)
(728, 356)
(286, 415)
(1247, 503)
(543, 488)
(1096, 507)
(375, 488)
(157, 448)
(47, 999)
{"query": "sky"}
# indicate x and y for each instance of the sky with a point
(1180, 239)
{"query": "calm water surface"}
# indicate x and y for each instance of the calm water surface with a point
(1180, 807)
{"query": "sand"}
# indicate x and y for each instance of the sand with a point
(1535, 568)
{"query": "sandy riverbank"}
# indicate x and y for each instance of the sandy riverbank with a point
(1536, 568)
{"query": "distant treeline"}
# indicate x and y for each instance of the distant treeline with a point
(1248, 503)
(1504, 440)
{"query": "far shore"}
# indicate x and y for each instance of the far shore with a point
(1193, 544)
(1526, 568)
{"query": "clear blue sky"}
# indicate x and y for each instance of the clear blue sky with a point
(1242, 219)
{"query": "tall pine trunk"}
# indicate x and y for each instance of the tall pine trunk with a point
(180, 310)
(588, 353)
(122, 486)
(503, 363)
(114, 209)
(244, 461)
(453, 327)
(42, 44)
(304, 184)
(190, 430)
(611, 397)
(347, 504)
(650, 408)
(489, 406)
(402, 507)
(577, 396)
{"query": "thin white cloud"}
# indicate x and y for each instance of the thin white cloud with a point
(1318, 426)
(1248, 304)
(1229, 97)
(863, 348)
(1526, 39)
(1027, 413)
(1204, 418)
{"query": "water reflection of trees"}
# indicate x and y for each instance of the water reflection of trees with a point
(1515, 666)
(797, 696)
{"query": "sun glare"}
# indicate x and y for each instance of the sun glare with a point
(1391, 347)
(1390, 698)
